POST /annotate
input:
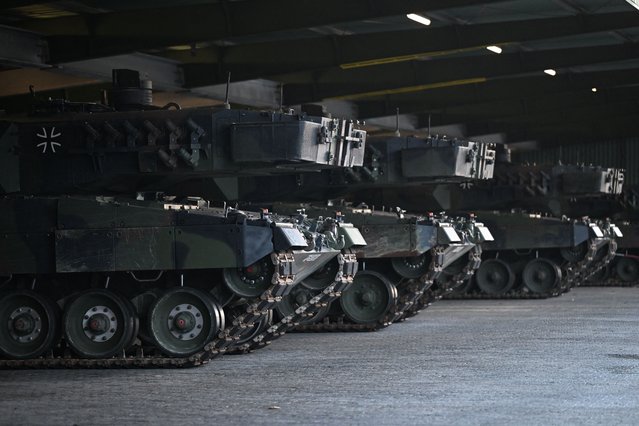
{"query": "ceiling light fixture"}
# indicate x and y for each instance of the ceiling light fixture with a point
(551, 72)
(418, 18)
(494, 49)
(594, 90)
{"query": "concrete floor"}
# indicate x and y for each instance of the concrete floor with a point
(573, 359)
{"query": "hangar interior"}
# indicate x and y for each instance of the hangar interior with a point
(548, 82)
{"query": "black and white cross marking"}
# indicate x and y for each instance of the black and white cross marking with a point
(48, 139)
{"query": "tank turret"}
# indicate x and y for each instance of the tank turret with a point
(68, 148)
(549, 189)
(388, 163)
(557, 190)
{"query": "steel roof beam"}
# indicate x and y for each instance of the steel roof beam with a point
(566, 119)
(67, 47)
(11, 4)
(164, 73)
(218, 20)
(539, 109)
(247, 61)
(256, 93)
(586, 130)
(22, 48)
(416, 76)
(494, 90)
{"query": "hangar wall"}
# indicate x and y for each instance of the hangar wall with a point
(622, 153)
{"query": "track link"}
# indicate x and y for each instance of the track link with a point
(574, 274)
(344, 278)
(415, 295)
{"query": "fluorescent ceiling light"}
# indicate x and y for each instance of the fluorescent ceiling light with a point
(551, 71)
(418, 18)
(494, 49)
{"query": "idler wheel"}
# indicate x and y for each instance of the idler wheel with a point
(627, 269)
(29, 324)
(299, 296)
(99, 324)
(541, 276)
(323, 277)
(574, 254)
(495, 277)
(369, 298)
(413, 266)
(182, 320)
(252, 280)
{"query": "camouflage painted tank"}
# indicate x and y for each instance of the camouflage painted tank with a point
(624, 209)
(406, 256)
(188, 281)
(539, 256)
(555, 190)
(141, 279)
(571, 251)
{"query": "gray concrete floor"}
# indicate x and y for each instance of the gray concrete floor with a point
(573, 359)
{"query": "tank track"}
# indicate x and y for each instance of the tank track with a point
(574, 275)
(346, 273)
(412, 296)
(475, 294)
(611, 281)
(593, 268)
(424, 301)
(281, 284)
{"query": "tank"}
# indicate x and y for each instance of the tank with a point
(555, 190)
(100, 267)
(551, 189)
(406, 255)
(527, 208)
(624, 210)
(534, 255)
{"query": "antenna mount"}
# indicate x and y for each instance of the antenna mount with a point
(227, 105)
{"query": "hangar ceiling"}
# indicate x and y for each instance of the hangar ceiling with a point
(360, 58)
